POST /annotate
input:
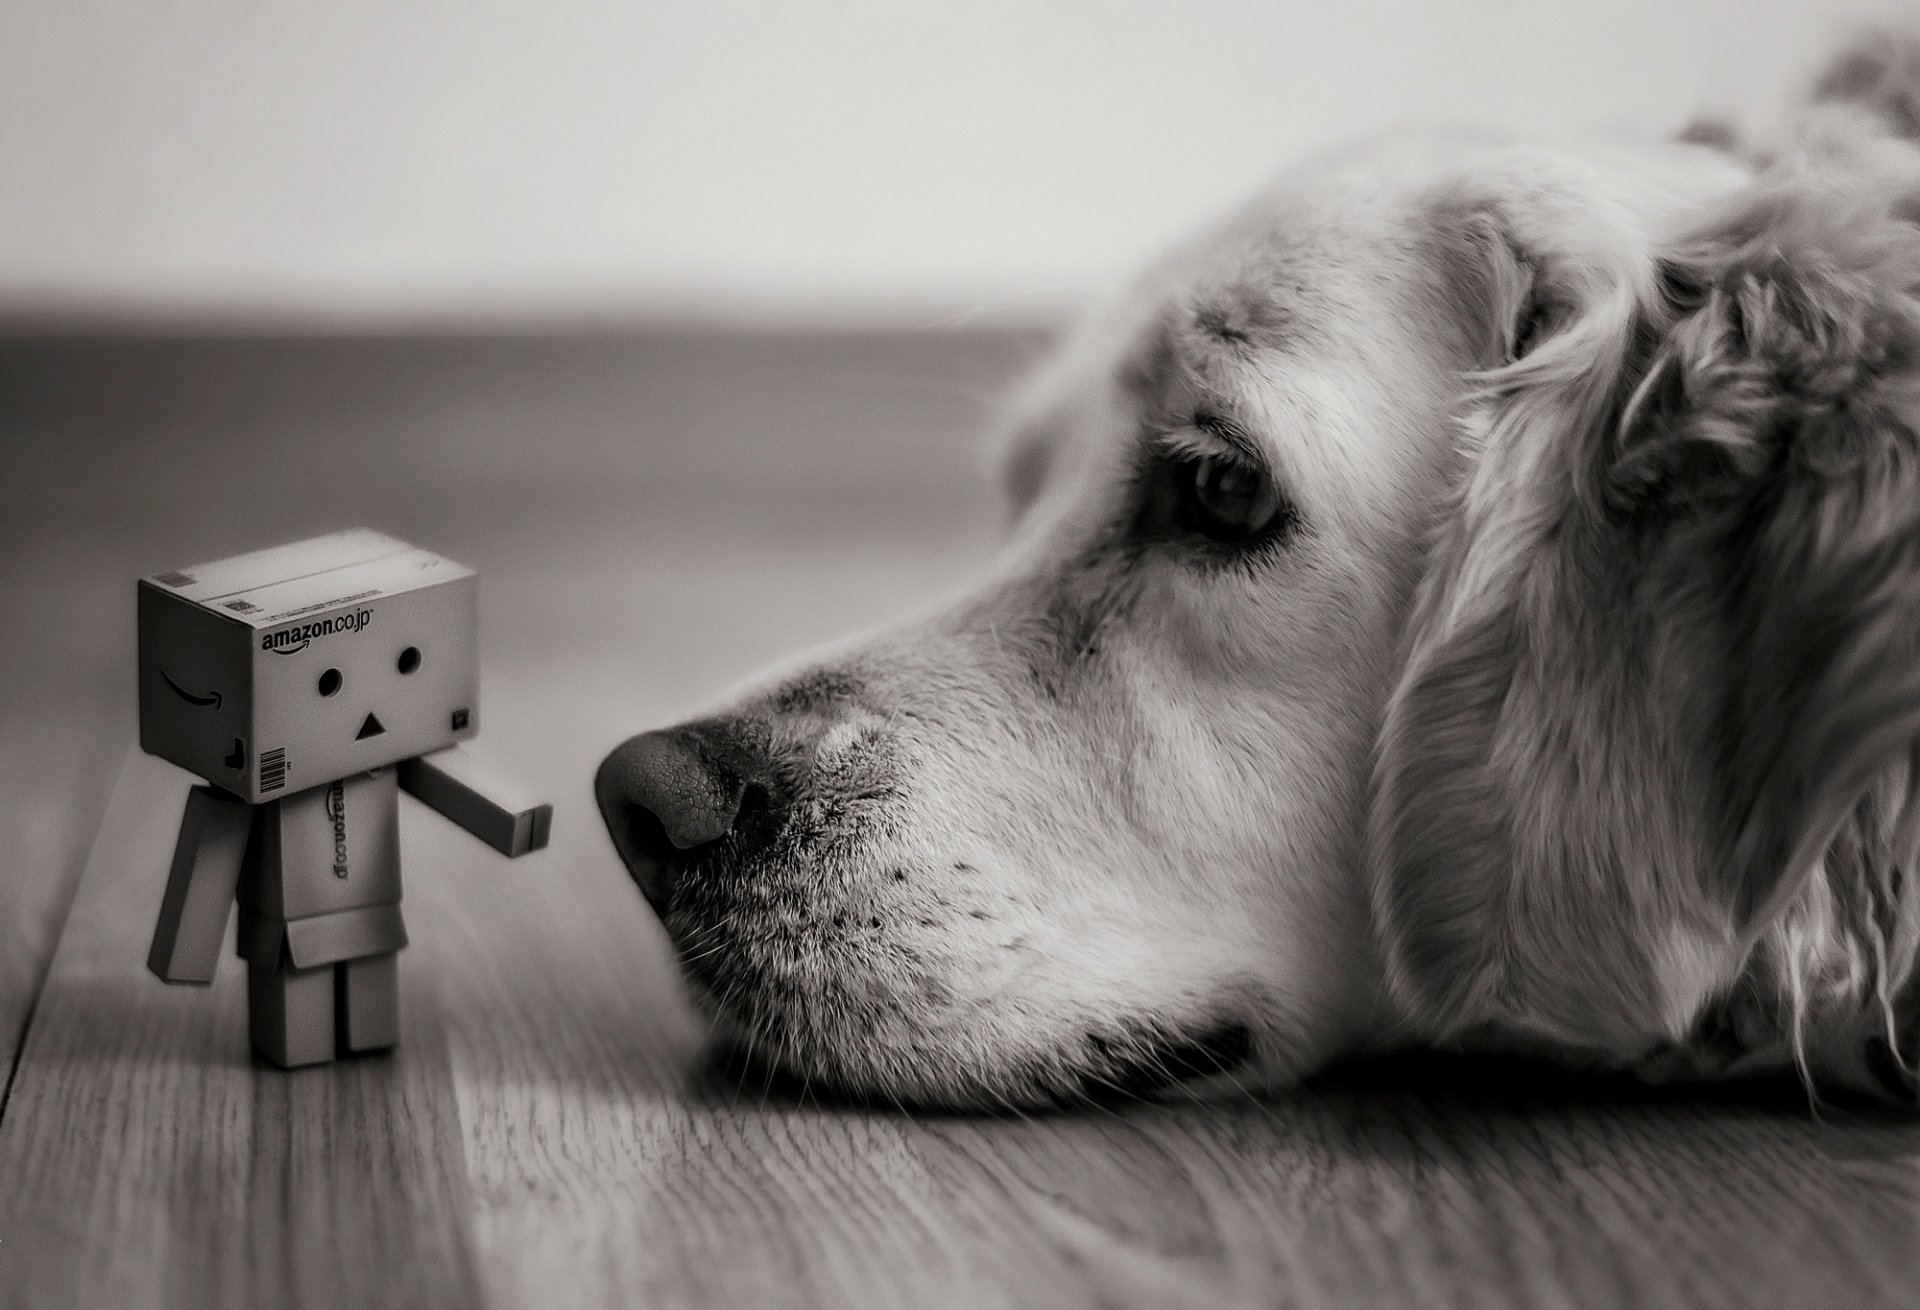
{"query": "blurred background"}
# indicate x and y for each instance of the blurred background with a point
(427, 163)
(682, 321)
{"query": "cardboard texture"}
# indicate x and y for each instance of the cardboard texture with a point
(461, 785)
(207, 861)
(294, 680)
(270, 673)
(367, 994)
(323, 874)
(329, 848)
(351, 935)
(290, 1014)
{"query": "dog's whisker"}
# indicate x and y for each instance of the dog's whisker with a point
(707, 952)
(1073, 295)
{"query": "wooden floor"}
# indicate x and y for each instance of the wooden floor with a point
(653, 517)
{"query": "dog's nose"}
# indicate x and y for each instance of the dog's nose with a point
(663, 794)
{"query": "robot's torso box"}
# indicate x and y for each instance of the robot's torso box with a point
(277, 671)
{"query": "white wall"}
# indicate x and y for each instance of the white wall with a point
(432, 160)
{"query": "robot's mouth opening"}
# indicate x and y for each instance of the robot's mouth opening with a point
(371, 728)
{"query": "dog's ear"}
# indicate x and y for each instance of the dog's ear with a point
(1653, 754)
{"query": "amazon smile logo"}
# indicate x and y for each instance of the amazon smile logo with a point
(210, 701)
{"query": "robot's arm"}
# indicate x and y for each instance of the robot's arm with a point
(459, 785)
(206, 869)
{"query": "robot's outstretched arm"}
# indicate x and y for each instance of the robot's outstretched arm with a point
(206, 870)
(459, 785)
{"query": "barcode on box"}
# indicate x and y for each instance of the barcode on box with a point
(242, 606)
(273, 769)
(174, 579)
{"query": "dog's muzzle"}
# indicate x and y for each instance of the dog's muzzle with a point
(670, 794)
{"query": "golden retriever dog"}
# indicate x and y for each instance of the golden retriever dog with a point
(1469, 598)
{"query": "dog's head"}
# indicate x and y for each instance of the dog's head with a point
(1470, 596)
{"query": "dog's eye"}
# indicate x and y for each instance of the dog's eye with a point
(1226, 499)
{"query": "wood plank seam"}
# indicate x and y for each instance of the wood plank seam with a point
(107, 753)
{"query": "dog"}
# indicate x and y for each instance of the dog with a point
(1469, 598)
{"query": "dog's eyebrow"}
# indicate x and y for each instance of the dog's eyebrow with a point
(1179, 387)
(1231, 434)
(1205, 432)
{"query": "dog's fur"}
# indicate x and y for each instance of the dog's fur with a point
(1576, 709)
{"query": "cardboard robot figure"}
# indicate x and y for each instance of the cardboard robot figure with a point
(309, 685)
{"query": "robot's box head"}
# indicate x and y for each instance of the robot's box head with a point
(281, 670)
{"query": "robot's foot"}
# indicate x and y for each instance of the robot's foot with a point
(368, 995)
(290, 1012)
(308, 1016)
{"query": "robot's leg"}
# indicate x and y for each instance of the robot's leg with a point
(369, 1003)
(291, 1013)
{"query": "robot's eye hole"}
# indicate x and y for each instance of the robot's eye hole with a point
(409, 659)
(330, 682)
